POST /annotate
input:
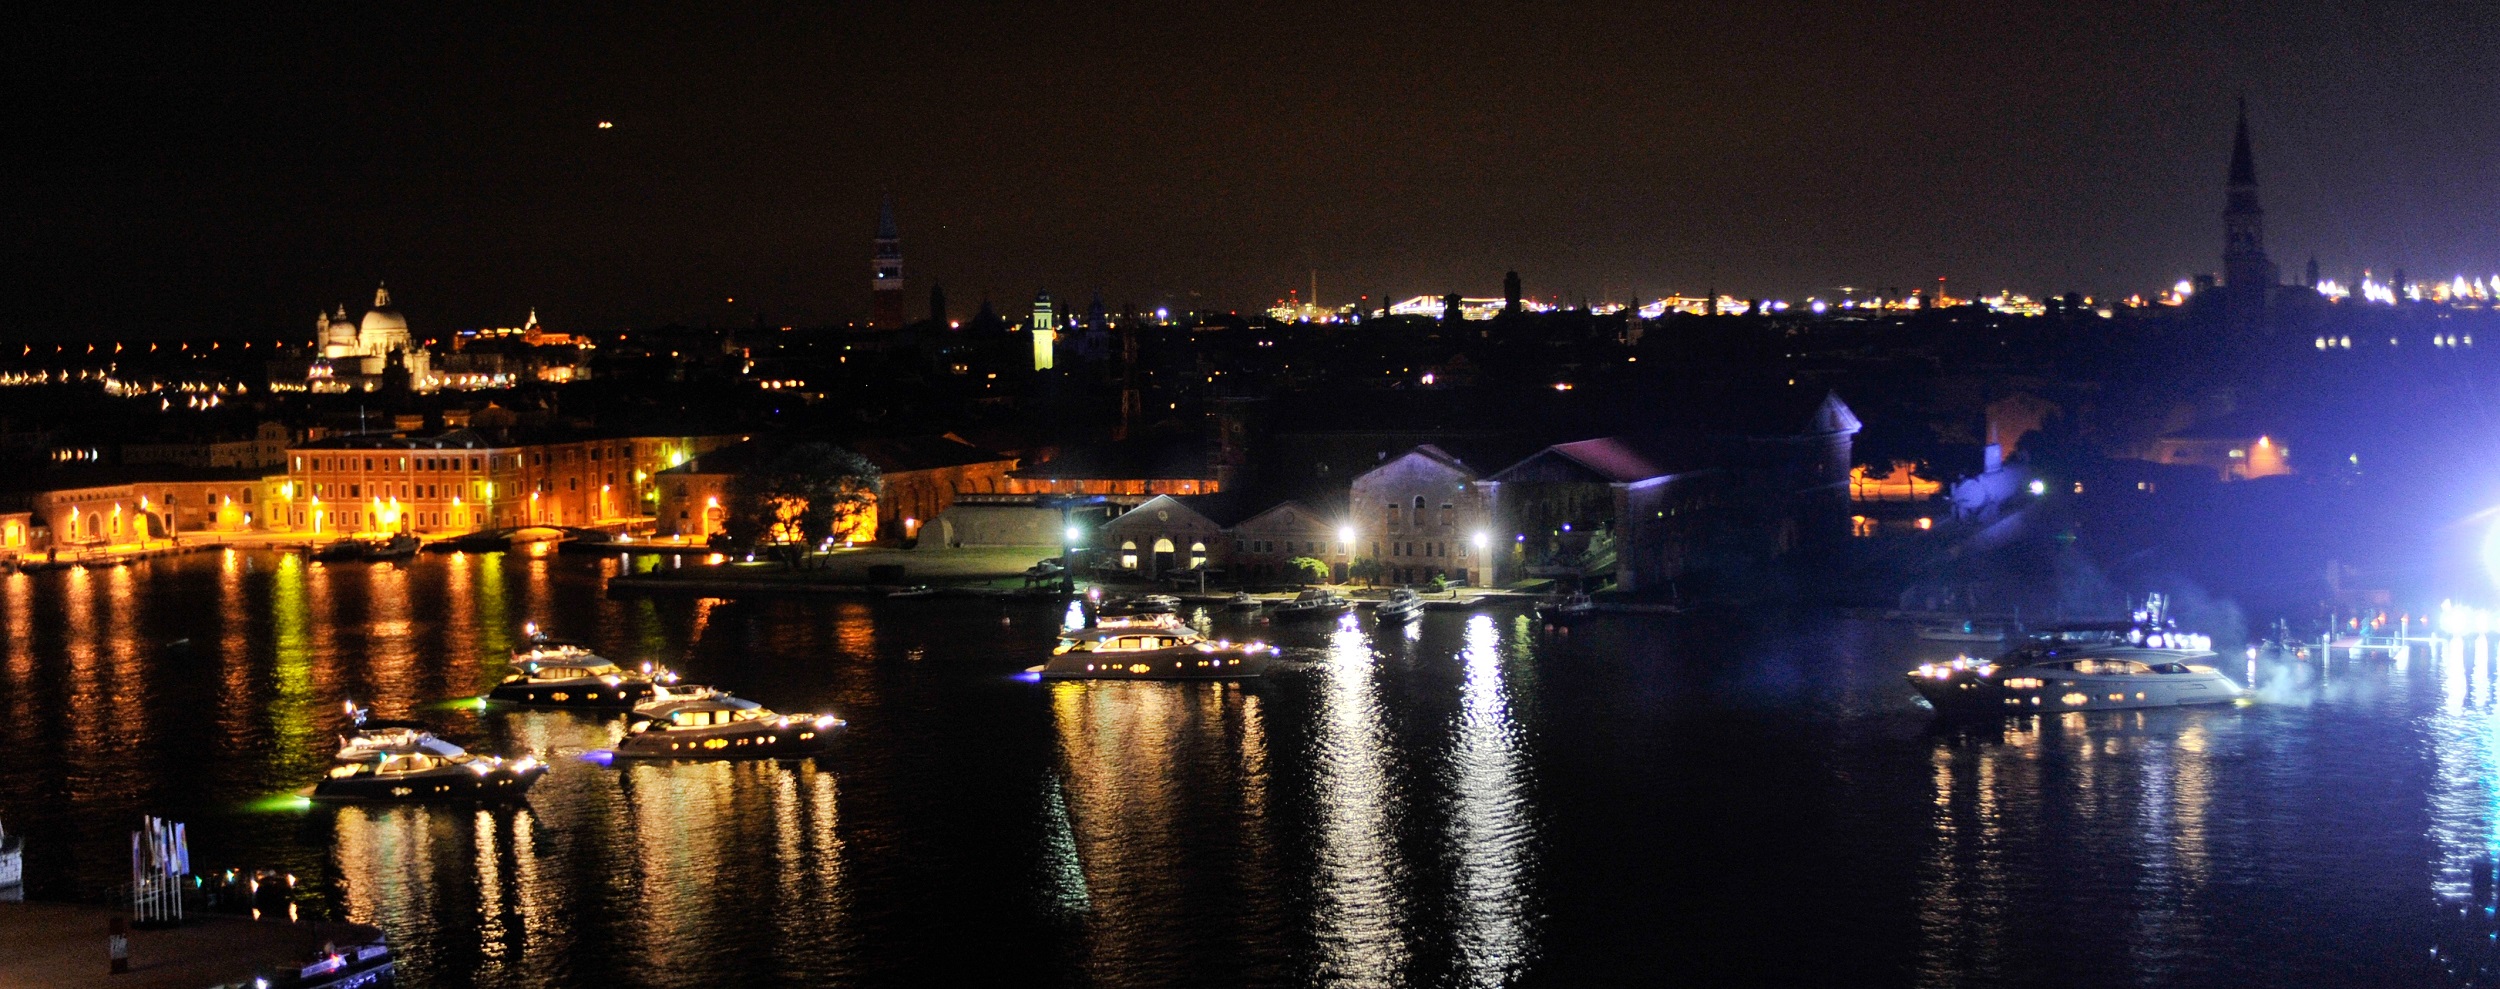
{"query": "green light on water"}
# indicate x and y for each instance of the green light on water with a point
(280, 803)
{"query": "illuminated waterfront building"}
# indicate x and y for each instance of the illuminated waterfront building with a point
(466, 480)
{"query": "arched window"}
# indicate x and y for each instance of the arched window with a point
(1197, 555)
(1128, 554)
(1418, 517)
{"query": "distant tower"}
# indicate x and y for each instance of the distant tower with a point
(2312, 280)
(885, 311)
(2247, 277)
(1510, 293)
(1045, 331)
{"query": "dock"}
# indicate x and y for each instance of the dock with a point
(62, 945)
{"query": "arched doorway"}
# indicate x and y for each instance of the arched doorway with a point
(1128, 554)
(1197, 555)
(1163, 555)
(95, 527)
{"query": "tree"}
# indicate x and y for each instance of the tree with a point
(1309, 569)
(802, 496)
(1367, 570)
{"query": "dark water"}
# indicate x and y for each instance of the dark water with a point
(1473, 802)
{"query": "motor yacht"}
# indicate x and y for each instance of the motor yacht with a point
(368, 737)
(1403, 605)
(1316, 602)
(398, 766)
(1172, 652)
(1242, 602)
(578, 680)
(698, 722)
(2147, 662)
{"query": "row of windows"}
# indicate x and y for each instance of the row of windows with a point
(1394, 517)
(1286, 546)
(1423, 549)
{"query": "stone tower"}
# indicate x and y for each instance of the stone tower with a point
(885, 310)
(2248, 278)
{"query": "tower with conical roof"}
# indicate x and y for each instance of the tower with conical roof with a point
(2248, 277)
(885, 309)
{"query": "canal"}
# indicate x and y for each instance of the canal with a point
(1469, 801)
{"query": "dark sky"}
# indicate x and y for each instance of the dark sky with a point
(198, 170)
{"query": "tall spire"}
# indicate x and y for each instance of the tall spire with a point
(885, 311)
(2243, 161)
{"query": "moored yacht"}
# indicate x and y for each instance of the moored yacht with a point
(1317, 602)
(696, 722)
(1403, 605)
(1165, 652)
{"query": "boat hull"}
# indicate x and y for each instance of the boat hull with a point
(791, 742)
(1172, 664)
(453, 786)
(589, 697)
(1972, 696)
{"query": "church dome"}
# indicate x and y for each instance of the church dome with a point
(383, 324)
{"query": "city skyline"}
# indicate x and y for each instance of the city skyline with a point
(720, 168)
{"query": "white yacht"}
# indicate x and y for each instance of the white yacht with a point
(2144, 663)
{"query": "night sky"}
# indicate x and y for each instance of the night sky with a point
(190, 171)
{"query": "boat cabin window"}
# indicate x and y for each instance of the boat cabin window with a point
(2172, 668)
(2109, 666)
(408, 763)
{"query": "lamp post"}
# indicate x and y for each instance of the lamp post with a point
(1345, 548)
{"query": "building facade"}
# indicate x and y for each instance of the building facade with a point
(1422, 514)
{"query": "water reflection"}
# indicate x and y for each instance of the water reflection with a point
(1490, 820)
(1362, 908)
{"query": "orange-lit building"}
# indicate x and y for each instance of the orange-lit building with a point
(1132, 469)
(919, 478)
(465, 480)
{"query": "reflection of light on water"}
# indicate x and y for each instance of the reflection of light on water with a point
(1361, 908)
(1489, 823)
(1064, 872)
(490, 907)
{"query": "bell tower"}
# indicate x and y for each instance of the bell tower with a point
(2248, 277)
(885, 311)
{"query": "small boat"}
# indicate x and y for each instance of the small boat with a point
(1151, 653)
(368, 546)
(1963, 632)
(1241, 602)
(1313, 603)
(1142, 604)
(337, 967)
(1403, 605)
(697, 722)
(1571, 609)
(12, 867)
